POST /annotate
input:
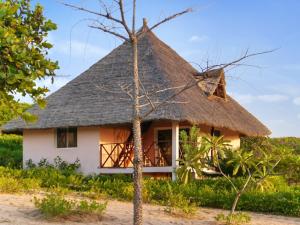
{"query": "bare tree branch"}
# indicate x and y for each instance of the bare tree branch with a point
(146, 95)
(235, 62)
(108, 30)
(120, 2)
(194, 82)
(161, 90)
(107, 15)
(133, 16)
(170, 18)
(168, 102)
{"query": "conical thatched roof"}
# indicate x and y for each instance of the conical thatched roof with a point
(95, 97)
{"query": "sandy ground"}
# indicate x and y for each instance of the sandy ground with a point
(19, 210)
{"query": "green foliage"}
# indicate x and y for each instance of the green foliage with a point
(23, 47)
(13, 185)
(195, 155)
(11, 151)
(91, 207)
(65, 167)
(234, 219)
(291, 143)
(178, 204)
(278, 198)
(53, 206)
(256, 164)
(288, 148)
(10, 185)
(7, 113)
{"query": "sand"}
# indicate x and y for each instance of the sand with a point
(19, 210)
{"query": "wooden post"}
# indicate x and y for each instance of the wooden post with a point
(175, 148)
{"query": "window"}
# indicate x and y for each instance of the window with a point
(164, 143)
(66, 137)
(216, 133)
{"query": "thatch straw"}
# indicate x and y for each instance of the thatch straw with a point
(95, 98)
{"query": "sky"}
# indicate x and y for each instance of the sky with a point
(215, 32)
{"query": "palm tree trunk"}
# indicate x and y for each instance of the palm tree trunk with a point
(138, 156)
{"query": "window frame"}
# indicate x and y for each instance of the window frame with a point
(67, 131)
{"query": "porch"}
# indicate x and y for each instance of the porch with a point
(161, 150)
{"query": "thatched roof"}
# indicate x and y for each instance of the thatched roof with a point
(95, 97)
(211, 81)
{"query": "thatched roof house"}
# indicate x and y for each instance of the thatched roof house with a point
(95, 98)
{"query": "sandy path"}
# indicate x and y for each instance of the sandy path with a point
(19, 210)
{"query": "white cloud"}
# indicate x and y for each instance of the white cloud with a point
(298, 116)
(249, 98)
(272, 98)
(296, 101)
(196, 38)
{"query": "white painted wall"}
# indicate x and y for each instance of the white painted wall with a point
(38, 144)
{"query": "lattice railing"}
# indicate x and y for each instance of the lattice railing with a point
(120, 155)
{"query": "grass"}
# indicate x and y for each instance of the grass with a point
(234, 219)
(57, 207)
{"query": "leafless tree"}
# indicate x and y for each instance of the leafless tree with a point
(110, 23)
(131, 36)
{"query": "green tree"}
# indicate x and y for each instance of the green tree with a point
(254, 164)
(195, 156)
(7, 114)
(23, 54)
(288, 148)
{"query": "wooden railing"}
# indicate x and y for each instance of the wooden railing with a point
(120, 155)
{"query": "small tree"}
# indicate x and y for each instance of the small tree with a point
(195, 157)
(254, 164)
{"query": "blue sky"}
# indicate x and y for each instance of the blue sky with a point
(217, 31)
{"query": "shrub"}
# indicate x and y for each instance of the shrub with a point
(53, 206)
(278, 198)
(233, 219)
(177, 204)
(13, 185)
(91, 207)
(10, 185)
(65, 167)
(56, 206)
(11, 150)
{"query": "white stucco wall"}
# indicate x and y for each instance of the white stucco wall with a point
(38, 144)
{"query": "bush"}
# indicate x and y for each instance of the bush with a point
(53, 206)
(177, 204)
(290, 146)
(11, 151)
(10, 185)
(65, 167)
(233, 219)
(13, 185)
(277, 198)
(56, 206)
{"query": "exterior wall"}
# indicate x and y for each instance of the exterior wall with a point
(38, 144)
(229, 135)
(109, 135)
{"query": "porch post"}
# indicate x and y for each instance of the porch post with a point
(175, 148)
